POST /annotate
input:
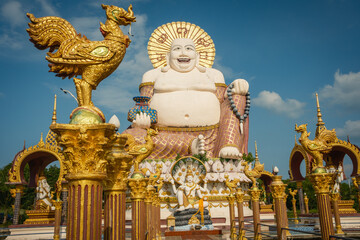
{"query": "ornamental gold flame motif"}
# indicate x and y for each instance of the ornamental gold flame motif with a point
(71, 54)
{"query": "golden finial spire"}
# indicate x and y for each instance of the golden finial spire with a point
(41, 142)
(256, 154)
(54, 112)
(320, 121)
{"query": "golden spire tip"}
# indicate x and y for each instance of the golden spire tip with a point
(54, 112)
(320, 121)
(256, 153)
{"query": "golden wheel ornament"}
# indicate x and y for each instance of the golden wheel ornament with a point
(160, 42)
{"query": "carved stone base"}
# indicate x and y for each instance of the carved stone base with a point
(37, 217)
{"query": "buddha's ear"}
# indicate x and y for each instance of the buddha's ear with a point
(197, 63)
(167, 66)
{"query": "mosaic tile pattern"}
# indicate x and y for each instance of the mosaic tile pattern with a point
(230, 126)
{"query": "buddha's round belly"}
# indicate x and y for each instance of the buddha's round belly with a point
(186, 108)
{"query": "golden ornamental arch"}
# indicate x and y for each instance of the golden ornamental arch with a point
(16, 175)
(340, 145)
(298, 149)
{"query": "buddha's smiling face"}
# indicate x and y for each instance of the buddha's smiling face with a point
(183, 55)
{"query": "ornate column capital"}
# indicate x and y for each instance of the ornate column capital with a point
(298, 184)
(277, 188)
(335, 196)
(85, 148)
(239, 195)
(322, 182)
(231, 199)
(138, 187)
(255, 194)
(119, 164)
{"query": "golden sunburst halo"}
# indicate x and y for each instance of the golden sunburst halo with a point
(161, 39)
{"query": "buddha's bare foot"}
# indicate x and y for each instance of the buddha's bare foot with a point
(230, 152)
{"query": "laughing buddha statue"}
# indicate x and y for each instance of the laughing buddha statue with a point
(196, 110)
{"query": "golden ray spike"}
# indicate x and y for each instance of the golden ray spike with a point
(54, 112)
(256, 154)
(320, 121)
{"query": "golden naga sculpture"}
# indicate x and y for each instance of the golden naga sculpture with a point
(317, 147)
(71, 54)
(140, 150)
(254, 173)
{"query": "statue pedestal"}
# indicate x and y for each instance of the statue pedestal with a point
(184, 220)
(193, 233)
(37, 217)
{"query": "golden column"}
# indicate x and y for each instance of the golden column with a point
(239, 195)
(137, 185)
(321, 182)
(306, 201)
(293, 200)
(255, 197)
(278, 192)
(231, 199)
(115, 189)
(84, 147)
(58, 206)
(334, 199)
(149, 199)
(158, 187)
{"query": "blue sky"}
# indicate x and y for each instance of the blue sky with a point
(287, 50)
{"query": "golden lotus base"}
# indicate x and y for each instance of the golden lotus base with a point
(346, 207)
(266, 208)
(40, 217)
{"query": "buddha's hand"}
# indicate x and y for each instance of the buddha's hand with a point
(142, 120)
(172, 181)
(240, 87)
(230, 152)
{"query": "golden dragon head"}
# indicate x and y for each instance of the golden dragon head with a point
(119, 15)
(301, 128)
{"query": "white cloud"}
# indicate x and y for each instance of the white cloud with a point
(13, 40)
(351, 129)
(344, 91)
(47, 8)
(273, 101)
(12, 12)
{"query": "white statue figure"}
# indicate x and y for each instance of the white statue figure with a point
(189, 193)
(194, 111)
(339, 179)
(43, 194)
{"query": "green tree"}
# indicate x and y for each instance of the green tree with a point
(249, 158)
(5, 197)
